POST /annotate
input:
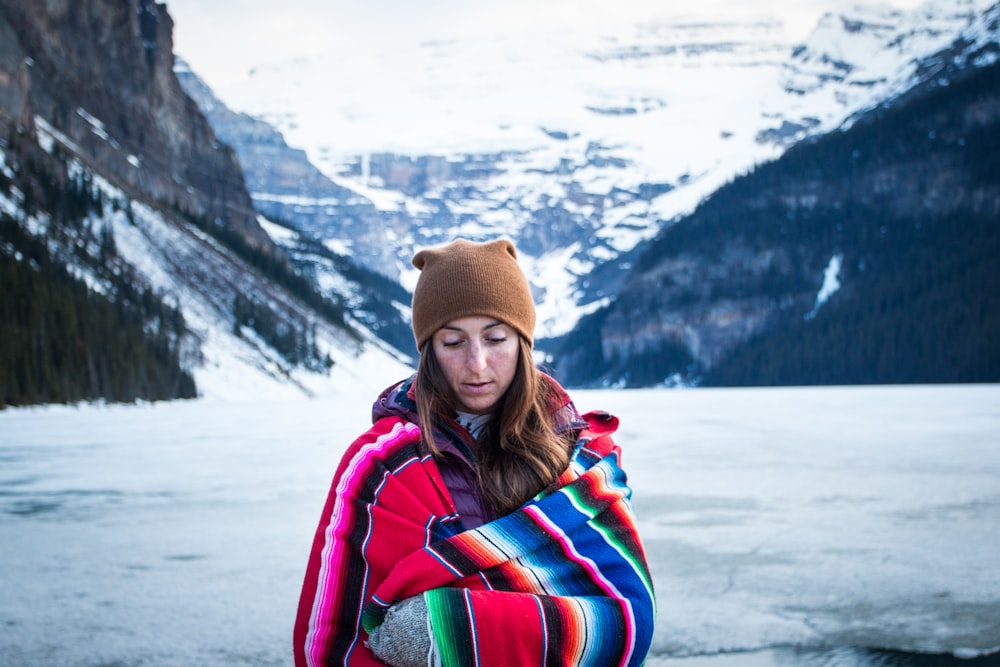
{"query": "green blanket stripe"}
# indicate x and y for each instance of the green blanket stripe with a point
(449, 621)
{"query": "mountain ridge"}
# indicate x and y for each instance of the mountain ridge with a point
(250, 302)
(864, 256)
(582, 184)
(114, 188)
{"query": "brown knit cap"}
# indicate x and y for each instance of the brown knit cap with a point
(467, 278)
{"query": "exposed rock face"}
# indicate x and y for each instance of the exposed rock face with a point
(285, 185)
(101, 73)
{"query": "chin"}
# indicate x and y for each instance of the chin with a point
(478, 407)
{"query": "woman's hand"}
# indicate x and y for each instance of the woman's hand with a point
(404, 639)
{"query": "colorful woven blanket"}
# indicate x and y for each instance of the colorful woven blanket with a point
(561, 581)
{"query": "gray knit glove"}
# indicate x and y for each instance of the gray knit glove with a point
(404, 639)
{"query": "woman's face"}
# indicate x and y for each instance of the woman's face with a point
(479, 358)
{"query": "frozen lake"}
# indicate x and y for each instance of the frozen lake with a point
(797, 526)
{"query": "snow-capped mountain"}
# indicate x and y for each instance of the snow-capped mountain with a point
(578, 145)
(271, 165)
(854, 61)
(835, 263)
(201, 278)
(135, 264)
(128, 188)
(867, 255)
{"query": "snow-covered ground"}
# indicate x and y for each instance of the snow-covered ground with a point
(818, 518)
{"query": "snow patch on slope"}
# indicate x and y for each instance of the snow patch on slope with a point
(831, 284)
(194, 272)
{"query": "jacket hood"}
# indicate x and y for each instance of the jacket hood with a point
(397, 400)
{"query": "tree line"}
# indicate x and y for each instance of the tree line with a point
(935, 320)
(908, 196)
(920, 302)
(62, 340)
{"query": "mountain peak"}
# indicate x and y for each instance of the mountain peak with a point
(580, 145)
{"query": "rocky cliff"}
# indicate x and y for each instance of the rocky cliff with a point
(282, 181)
(100, 73)
(134, 263)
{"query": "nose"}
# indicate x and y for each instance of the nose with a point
(476, 358)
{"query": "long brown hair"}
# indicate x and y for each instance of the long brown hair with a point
(518, 453)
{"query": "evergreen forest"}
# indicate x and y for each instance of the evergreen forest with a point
(61, 340)
(907, 197)
(920, 301)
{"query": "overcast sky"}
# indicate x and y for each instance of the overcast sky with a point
(223, 39)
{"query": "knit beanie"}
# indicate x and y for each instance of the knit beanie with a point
(467, 278)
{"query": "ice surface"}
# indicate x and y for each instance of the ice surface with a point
(176, 534)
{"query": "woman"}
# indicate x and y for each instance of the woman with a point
(480, 520)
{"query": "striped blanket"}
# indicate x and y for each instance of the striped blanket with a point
(561, 581)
